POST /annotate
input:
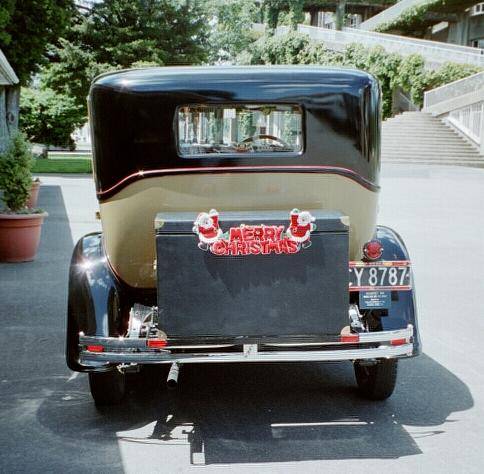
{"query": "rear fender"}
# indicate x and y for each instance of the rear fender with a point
(94, 305)
(403, 309)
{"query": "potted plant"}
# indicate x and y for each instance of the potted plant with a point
(20, 226)
(33, 194)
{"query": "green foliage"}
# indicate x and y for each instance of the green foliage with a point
(415, 19)
(48, 117)
(6, 9)
(278, 49)
(284, 11)
(449, 72)
(232, 31)
(413, 78)
(74, 71)
(392, 70)
(15, 175)
(115, 34)
(26, 29)
(384, 66)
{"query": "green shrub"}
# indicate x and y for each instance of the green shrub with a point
(15, 175)
(391, 69)
(449, 72)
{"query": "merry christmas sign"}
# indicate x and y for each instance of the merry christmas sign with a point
(258, 239)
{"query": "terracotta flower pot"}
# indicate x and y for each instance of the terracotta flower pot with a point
(34, 195)
(20, 236)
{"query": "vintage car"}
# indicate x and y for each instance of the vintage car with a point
(239, 209)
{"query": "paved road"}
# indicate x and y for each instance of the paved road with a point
(263, 418)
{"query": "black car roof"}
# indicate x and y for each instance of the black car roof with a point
(176, 78)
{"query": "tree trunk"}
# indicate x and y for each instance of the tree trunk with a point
(340, 14)
(314, 17)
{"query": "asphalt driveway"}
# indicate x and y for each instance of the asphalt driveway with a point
(257, 418)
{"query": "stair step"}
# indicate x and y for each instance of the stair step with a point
(429, 147)
(430, 155)
(419, 127)
(425, 141)
(417, 137)
(474, 164)
(431, 159)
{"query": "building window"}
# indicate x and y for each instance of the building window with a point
(478, 9)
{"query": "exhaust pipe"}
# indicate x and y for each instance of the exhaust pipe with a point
(172, 380)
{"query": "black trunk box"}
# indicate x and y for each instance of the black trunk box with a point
(286, 294)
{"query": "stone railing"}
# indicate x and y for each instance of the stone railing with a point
(390, 14)
(434, 52)
(461, 103)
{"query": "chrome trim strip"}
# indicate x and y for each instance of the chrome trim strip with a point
(162, 357)
(127, 343)
(386, 335)
(134, 344)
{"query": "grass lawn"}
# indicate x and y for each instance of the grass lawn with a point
(63, 164)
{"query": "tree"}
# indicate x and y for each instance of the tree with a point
(232, 30)
(48, 117)
(29, 26)
(114, 34)
(274, 8)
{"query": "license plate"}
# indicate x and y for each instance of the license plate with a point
(392, 275)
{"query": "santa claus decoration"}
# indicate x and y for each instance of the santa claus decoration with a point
(301, 227)
(206, 226)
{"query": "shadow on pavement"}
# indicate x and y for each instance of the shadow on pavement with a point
(264, 413)
(220, 413)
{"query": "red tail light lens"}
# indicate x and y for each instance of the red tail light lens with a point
(349, 338)
(398, 342)
(95, 348)
(373, 250)
(156, 343)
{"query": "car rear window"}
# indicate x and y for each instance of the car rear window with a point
(239, 129)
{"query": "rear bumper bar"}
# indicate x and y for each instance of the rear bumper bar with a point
(376, 345)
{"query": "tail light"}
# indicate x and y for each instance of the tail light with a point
(349, 338)
(373, 250)
(156, 343)
(95, 348)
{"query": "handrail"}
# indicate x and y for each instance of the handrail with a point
(390, 14)
(468, 85)
(461, 103)
(434, 52)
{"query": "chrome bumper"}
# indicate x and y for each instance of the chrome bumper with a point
(376, 345)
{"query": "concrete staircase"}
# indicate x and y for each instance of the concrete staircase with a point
(418, 137)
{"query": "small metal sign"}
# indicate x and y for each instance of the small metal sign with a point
(375, 299)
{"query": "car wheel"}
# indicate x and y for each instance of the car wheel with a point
(376, 382)
(107, 388)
